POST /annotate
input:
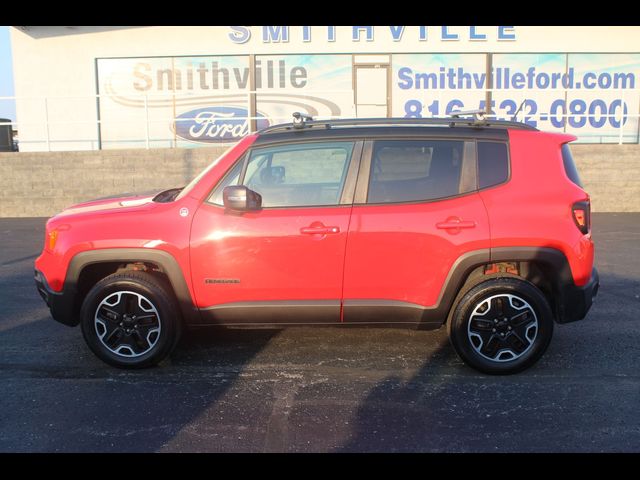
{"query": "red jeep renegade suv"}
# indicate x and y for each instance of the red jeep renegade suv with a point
(483, 226)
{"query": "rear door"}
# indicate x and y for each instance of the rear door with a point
(283, 263)
(416, 212)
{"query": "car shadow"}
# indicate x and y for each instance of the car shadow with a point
(61, 398)
(317, 389)
(581, 396)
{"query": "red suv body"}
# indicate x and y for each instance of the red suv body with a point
(390, 222)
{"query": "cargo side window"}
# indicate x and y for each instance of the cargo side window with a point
(415, 170)
(493, 164)
(570, 166)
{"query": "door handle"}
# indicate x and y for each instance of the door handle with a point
(455, 223)
(320, 230)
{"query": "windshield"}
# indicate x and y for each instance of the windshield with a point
(192, 183)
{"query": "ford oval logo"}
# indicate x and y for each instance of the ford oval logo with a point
(215, 124)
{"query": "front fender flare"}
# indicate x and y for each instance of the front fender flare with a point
(164, 260)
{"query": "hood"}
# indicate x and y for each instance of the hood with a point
(125, 202)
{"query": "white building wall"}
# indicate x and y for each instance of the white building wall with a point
(58, 63)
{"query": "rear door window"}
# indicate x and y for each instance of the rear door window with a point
(415, 170)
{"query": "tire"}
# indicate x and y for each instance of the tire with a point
(130, 320)
(501, 326)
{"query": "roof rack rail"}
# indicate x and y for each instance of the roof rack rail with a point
(299, 119)
(478, 115)
(303, 122)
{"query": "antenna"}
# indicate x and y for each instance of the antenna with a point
(515, 115)
(299, 119)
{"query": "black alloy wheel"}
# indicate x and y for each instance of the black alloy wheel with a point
(502, 325)
(130, 319)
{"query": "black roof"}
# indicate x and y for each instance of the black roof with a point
(410, 128)
(394, 123)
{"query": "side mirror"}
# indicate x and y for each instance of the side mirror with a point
(241, 198)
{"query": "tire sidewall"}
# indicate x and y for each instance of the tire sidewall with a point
(153, 293)
(458, 332)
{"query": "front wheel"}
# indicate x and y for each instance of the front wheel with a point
(501, 326)
(130, 320)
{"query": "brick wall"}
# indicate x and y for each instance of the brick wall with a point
(41, 184)
(611, 175)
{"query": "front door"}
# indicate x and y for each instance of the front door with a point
(416, 213)
(283, 263)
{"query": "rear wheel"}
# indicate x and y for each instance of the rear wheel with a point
(501, 326)
(130, 320)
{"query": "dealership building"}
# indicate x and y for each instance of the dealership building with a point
(160, 93)
(87, 88)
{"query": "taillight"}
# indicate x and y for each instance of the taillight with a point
(582, 215)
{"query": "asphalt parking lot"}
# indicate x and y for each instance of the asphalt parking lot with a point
(321, 389)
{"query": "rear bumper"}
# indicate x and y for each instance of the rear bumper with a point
(60, 303)
(576, 301)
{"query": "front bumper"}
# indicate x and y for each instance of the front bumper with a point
(576, 301)
(61, 304)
